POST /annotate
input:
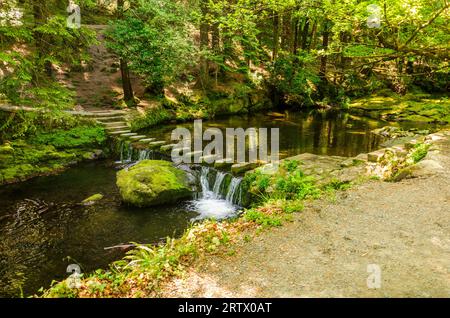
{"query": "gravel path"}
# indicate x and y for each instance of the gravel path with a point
(404, 228)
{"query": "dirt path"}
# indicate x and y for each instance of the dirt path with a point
(404, 228)
(98, 83)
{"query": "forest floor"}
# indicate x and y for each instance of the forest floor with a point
(403, 227)
(98, 83)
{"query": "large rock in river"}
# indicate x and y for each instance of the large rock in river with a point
(153, 182)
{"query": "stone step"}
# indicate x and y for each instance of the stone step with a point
(116, 128)
(375, 155)
(128, 134)
(156, 144)
(120, 132)
(168, 148)
(137, 137)
(115, 123)
(105, 114)
(109, 119)
(116, 112)
(147, 140)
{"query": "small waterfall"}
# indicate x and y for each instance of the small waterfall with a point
(204, 182)
(145, 154)
(220, 177)
(129, 154)
(218, 191)
(219, 197)
(126, 152)
(234, 191)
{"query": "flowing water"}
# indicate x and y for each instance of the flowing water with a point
(44, 228)
(334, 134)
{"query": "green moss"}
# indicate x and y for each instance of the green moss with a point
(152, 182)
(410, 107)
(25, 160)
(419, 152)
(78, 137)
(93, 198)
(263, 219)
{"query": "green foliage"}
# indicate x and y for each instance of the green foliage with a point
(23, 124)
(339, 185)
(78, 137)
(297, 81)
(20, 161)
(152, 117)
(289, 183)
(292, 206)
(154, 37)
(419, 152)
(262, 218)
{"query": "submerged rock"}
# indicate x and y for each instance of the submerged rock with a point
(153, 182)
(92, 199)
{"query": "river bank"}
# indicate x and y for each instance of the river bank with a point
(161, 270)
(325, 251)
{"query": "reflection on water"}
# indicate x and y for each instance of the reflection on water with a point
(325, 133)
(43, 228)
(42, 224)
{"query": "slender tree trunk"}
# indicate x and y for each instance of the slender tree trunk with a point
(215, 38)
(40, 12)
(324, 58)
(305, 33)
(276, 35)
(204, 44)
(126, 82)
(296, 36)
(286, 38)
(128, 94)
(313, 38)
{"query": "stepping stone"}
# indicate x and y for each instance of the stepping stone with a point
(147, 140)
(115, 123)
(137, 137)
(128, 135)
(156, 144)
(108, 112)
(120, 132)
(185, 149)
(376, 155)
(108, 119)
(168, 147)
(116, 128)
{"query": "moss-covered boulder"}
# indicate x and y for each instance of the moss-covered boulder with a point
(153, 182)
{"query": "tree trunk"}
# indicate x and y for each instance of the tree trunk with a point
(305, 33)
(204, 44)
(313, 38)
(276, 35)
(324, 58)
(128, 94)
(296, 36)
(40, 12)
(215, 38)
